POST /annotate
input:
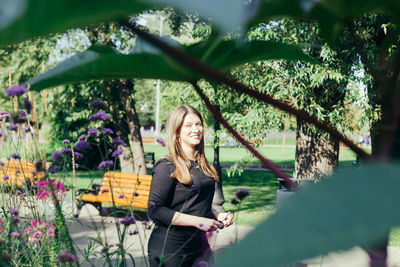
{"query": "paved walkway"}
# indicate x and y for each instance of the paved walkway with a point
(91, 225)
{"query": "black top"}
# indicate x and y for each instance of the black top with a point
(168, 195)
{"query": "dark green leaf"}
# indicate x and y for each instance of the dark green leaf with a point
(227, 54)
(355, 207)
(101, 62)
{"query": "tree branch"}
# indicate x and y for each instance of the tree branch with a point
(270, 165)
(218, 76)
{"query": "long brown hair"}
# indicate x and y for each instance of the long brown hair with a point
(182, 163)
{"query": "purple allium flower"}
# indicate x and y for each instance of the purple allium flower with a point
(117, 141)
(108, 131)
(15, 156)
(82, 138)
(15, 219)
(3, 115)
(93, 131)
(66, 142)
(28, 105)
(106, 164)
(38, 165)
(121, 196)
(57, 155)
(99, 116)
(161, 141)
(152, 204)
(18, 117)
(66, 151)
(66, 256)
(234, 201)
(117, 152)
(99, 104)
(54, 168)
(117, 223)
(76, 165)
(82, 145)
(5, 177)
(14, 212)
(18, 192)
(12, 127)
(242, 193)
(128, 220)
(16, 90)
(78, 155)
(136, 193)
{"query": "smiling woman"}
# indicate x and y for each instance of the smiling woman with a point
(181, 195)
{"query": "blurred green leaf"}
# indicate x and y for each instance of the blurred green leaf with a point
(10, 10)
(227, 14)
(42, 17)
(332, 15)
(101, 62)
(354, 207)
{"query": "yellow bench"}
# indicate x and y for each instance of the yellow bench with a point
(148, 139)
(19, 173)
(117, 188)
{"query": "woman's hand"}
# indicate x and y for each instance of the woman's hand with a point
(208, 225)
(226, 218)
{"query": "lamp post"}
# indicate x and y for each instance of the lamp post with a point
(158, 85)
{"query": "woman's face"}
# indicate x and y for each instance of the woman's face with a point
(191, 131)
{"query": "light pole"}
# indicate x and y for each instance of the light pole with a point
(158, 84)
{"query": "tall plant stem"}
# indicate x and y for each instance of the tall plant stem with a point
(275, 169)
(211, 73)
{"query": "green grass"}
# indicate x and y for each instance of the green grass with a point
(230, 155)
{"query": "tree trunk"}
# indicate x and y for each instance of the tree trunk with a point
(316, 154)
(132, 120)
(126, 125)
(218, 199)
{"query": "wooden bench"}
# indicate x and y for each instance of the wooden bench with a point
(19, 173)
(148, 139)
(117, 188)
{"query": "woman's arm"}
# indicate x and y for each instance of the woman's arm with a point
(201, 223)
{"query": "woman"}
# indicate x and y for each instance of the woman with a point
(181, 195)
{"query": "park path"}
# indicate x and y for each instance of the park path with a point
(81, 232)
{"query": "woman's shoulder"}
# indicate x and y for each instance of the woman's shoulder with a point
(163, 162)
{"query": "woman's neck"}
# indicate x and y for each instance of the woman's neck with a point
(189, 152)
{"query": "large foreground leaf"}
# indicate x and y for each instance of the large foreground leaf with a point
(100, 62)
(41, 17)
(355, 207)
(24, 19)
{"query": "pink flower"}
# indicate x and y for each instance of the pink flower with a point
(43, 184)
(43, 194)
(14, 234)
(60, 186)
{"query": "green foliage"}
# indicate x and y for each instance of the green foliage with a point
(344, 216)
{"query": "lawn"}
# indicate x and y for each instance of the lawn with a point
(230, 155)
